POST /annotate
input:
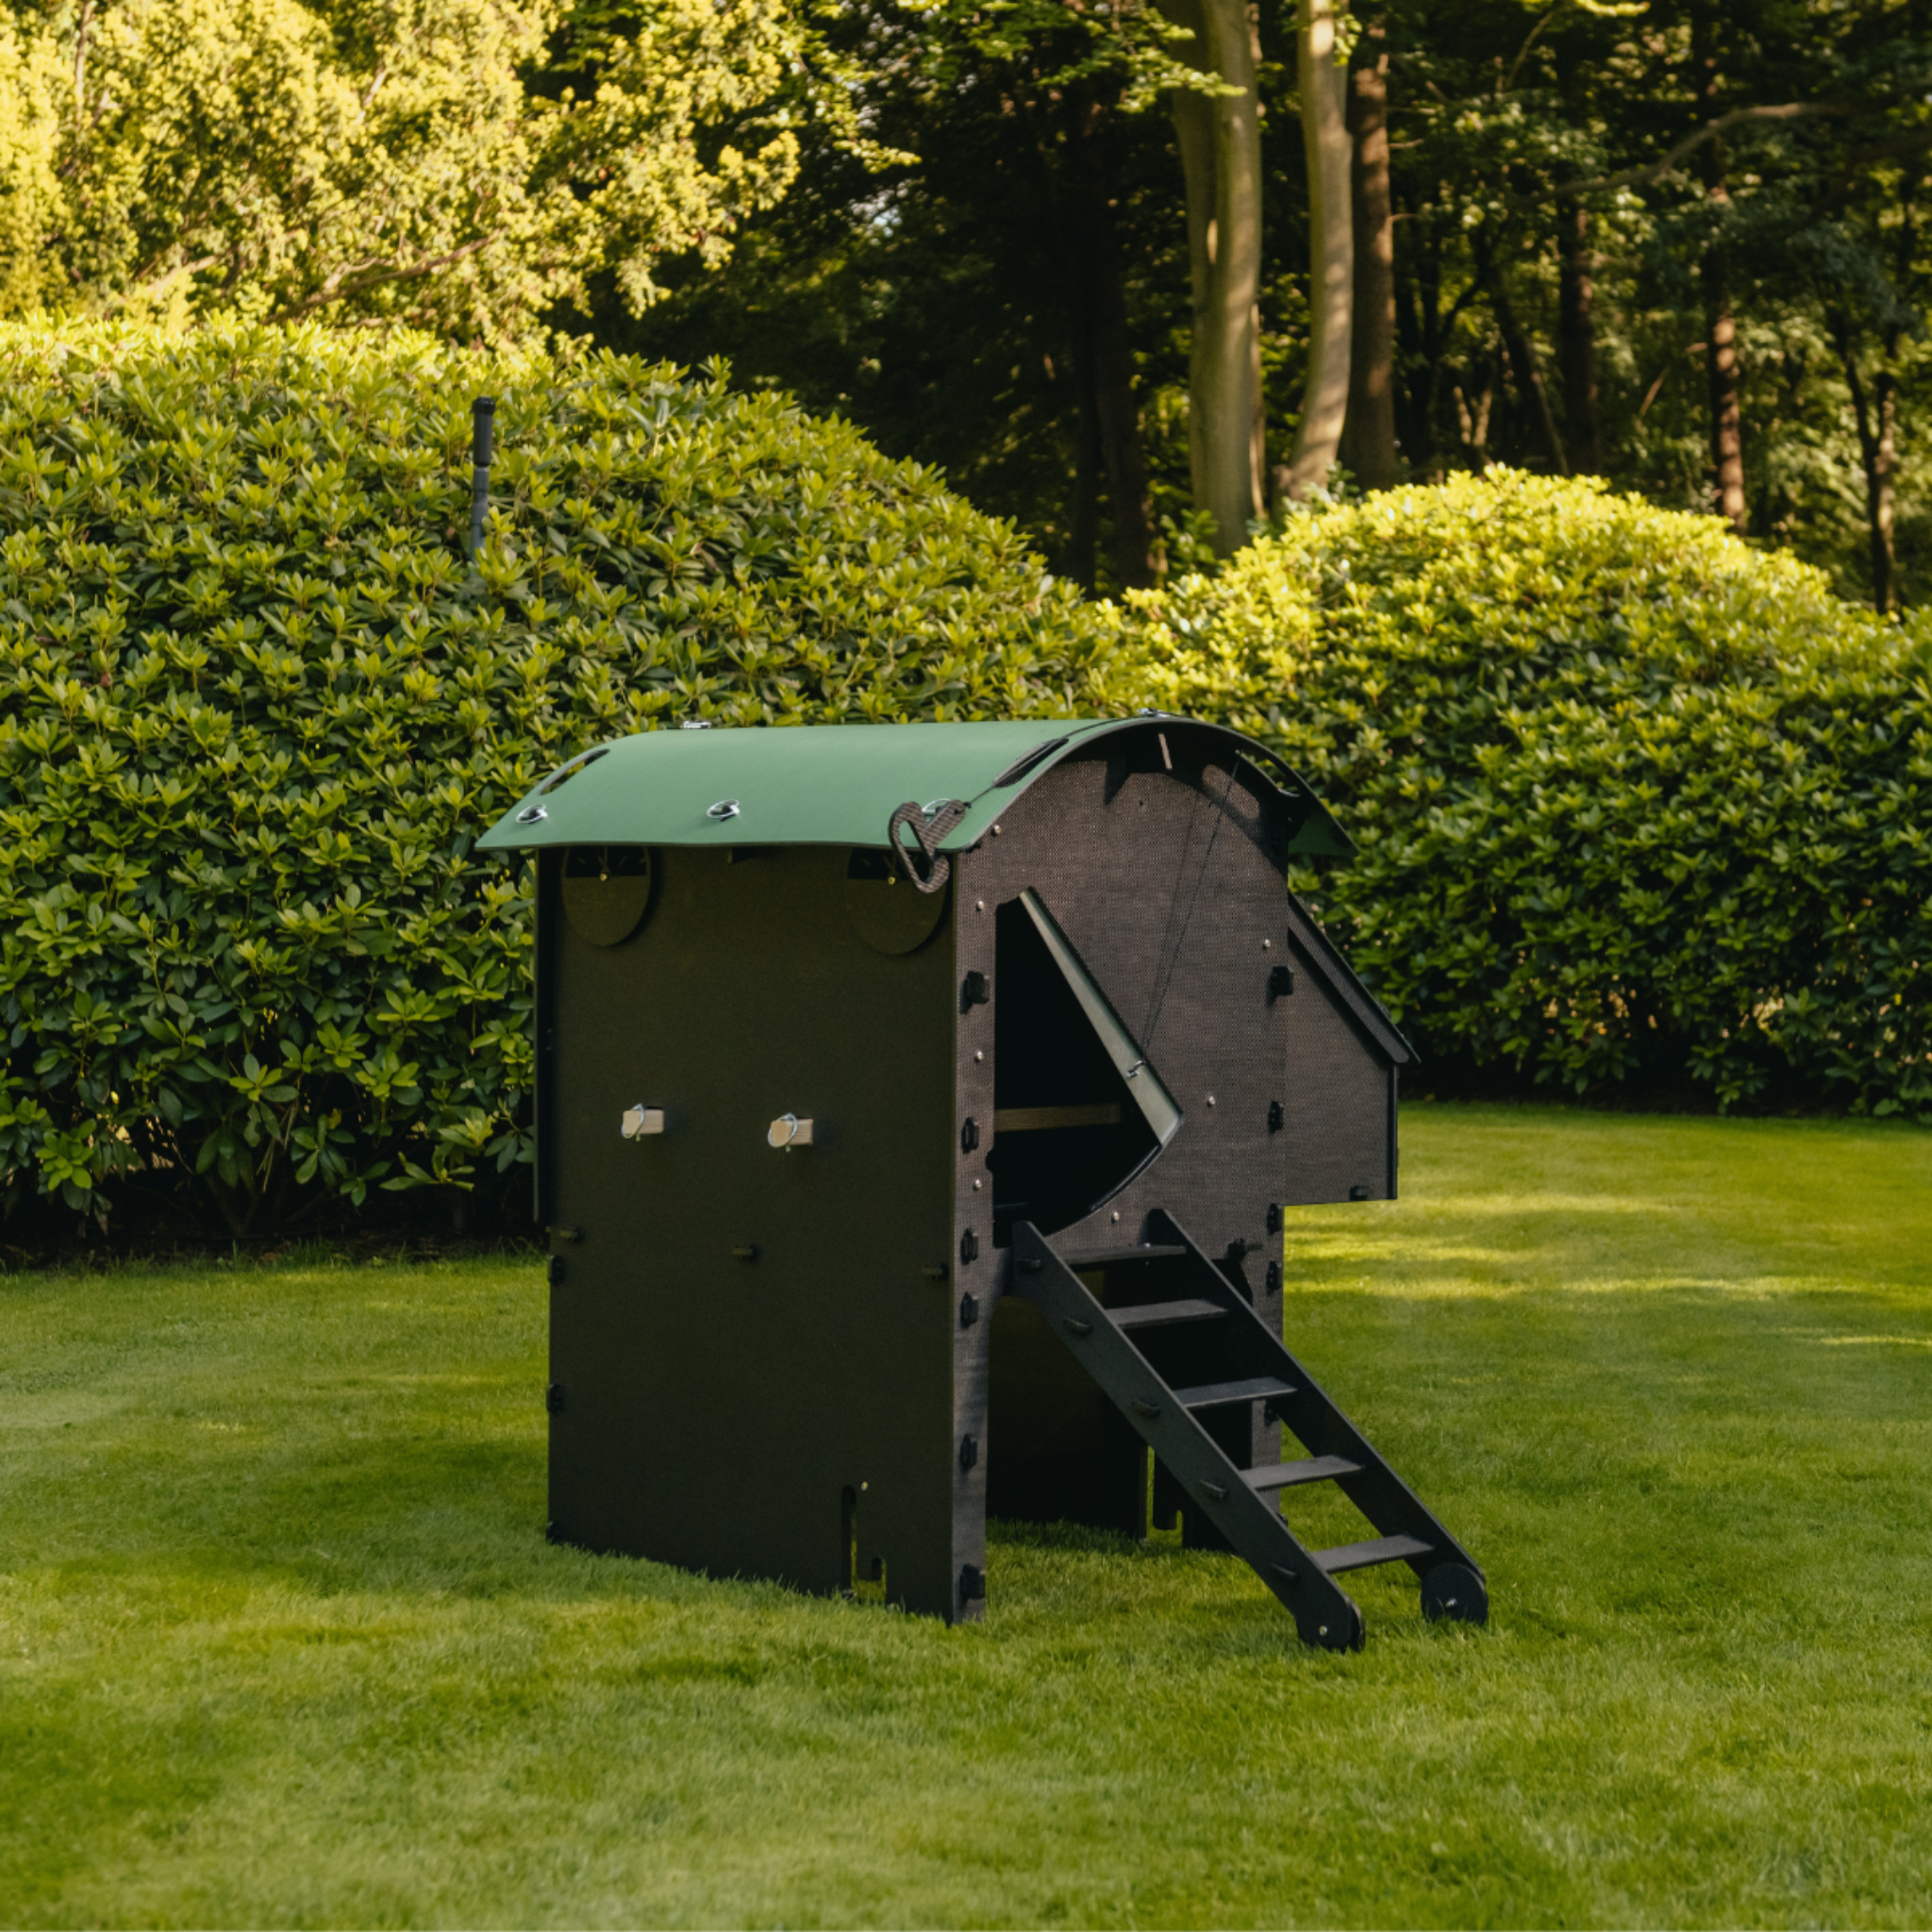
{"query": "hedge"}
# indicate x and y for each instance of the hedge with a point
(1637, 803)
(255, 705)
(1640, 806)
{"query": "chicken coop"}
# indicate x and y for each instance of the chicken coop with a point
(921, 1115)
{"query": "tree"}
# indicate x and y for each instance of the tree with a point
(389, 160)
(1219, 134)
(1331, 247)
(1369, 445)
(1533, 290)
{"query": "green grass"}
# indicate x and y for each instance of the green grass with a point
(281, 1641)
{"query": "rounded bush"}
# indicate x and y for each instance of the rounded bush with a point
(1636, 802)
(256, 702)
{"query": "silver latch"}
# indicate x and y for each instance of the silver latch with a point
(788, 1130)
(643, 1120)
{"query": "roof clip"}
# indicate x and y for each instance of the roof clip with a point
(930, 824)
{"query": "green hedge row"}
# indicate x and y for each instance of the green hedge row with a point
(255, 705)
(1638, 805)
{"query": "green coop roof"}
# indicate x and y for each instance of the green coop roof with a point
(825, 784)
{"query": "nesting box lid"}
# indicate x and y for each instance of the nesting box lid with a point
(840, 784)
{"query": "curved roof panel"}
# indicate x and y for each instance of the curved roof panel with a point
(831, 784)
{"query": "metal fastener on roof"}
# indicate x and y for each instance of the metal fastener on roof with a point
(530, 814)
(724, 808)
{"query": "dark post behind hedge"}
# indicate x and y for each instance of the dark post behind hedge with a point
(482, 448)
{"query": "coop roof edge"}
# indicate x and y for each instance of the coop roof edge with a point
(840, 784)
(1346, 985)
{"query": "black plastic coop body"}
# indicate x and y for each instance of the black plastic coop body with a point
(919, 1111)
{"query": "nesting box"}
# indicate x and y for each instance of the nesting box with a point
(922, 1111)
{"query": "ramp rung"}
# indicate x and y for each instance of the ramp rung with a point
(1161, 1314)
(1109, 1258)
(1209, 1395)
(1317, 1469)
(1384, 1549)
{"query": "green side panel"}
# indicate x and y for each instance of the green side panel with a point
(793, 785)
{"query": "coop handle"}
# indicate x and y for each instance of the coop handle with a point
(930, 824)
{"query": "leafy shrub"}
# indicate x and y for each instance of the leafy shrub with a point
(1634, 799)
(255, 706)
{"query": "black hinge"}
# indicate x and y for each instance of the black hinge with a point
(554, 1269)
(1277, 1117)
(974, 990)
(1273, 1217)
(554, 1398)
(969, 1451)
(969, 1135)
(1275, 1278)
(972, 1584)
(968, 1309)
(969, 1247)
(1280, 982)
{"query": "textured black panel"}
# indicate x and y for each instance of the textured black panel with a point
(747, 994)
(1336, 1087)
(1169, 883)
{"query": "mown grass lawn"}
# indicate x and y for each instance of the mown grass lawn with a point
(281, 1641)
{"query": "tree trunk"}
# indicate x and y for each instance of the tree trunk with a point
(1221, 156)
(1426, 330)
(1875, 418)
(1721, 363)
(1525, 371)
(1369, 433)
(1074, 143)
(1331, 250)
(1721, 357)
(1881, 473)
(1107, 354)
(1576, 296)
(1083, 524)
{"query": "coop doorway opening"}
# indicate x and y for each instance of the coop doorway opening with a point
(1079, 1111)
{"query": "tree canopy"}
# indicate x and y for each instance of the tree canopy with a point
(1096, 258)
(1670, 243)
(458, 165)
